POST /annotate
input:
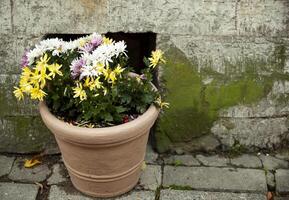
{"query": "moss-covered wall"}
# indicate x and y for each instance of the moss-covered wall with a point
(197, 95)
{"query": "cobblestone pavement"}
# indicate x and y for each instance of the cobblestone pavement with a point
(165, 177)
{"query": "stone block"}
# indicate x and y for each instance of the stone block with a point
(15, 191)
(6, 164)
(282, 181)
(272, 163)
(38, 173)
(151, 177)
(200, 195)
(268, 132)
(216, 179)
(72, 16)
(247, 161)
(214, 160)
(59, 175)
(59, 192)
(5, 21)
(24, 135)
(186, 160)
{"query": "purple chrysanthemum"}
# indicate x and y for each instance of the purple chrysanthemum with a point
(24, 60)
(93, 44)
(96, 40)
(88, 48)
(76, 66)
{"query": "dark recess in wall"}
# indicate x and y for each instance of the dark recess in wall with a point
(138, 46)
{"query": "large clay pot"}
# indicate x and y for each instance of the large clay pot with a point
(102, 162)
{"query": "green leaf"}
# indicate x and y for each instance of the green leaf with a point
(146, 61)
(108, 117)
(120, 109)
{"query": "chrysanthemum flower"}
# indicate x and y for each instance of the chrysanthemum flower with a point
(54, 69)
(156, 58)
(37, 93)
(18, 93)
(107, 40)
(79, 92)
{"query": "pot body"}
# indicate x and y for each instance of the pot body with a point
(102, 162)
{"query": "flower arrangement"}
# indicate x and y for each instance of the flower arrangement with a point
(88, 81)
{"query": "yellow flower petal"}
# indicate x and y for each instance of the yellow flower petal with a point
(32, 162)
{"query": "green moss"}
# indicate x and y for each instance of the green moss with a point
(236, 150)
(195, 103)
(180, 187)
(24, 134)
(279, 57)
(178, 163)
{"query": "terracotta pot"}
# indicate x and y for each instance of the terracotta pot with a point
(102, 162)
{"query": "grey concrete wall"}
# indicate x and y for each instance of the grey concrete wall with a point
(229, 58)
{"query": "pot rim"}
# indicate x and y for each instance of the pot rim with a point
(104, 135)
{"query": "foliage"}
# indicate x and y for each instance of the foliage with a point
(88, 81)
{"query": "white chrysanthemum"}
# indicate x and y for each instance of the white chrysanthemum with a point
(55, 45)
(51, 44)
(102, 54)
(88, 70)
(35, 53)
(71, 45)
(120, 47)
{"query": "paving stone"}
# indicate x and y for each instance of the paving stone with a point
(59, 175)
(205, 143)
(218, 179)
(215, 160)
(270, 178)
(151, 156)
(36, 174)
(246, 160)
(5, 164)
(62, 193)
(284, 155)
(282, 181)
(199, 195)
(281, 198)
(18, 191)
(187, 160)
(151, 177)
(272, 163)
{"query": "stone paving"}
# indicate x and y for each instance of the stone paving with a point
(165, 177)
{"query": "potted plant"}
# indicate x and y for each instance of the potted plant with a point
(98, 110)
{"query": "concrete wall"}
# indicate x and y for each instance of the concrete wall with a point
(226, 75)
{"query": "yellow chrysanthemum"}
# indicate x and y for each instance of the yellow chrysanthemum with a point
(54, 69)
(100, 67)
(26, 72)
(79, 92)
(18, 93)
(42, 63)
(106, 72)
(156, 58)
(107, 40)
(25, 85)
(96, 83)
(37, 93)
(92, 83)
(39, 77)
(112, 77)
(118, 70)
(161, 103)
